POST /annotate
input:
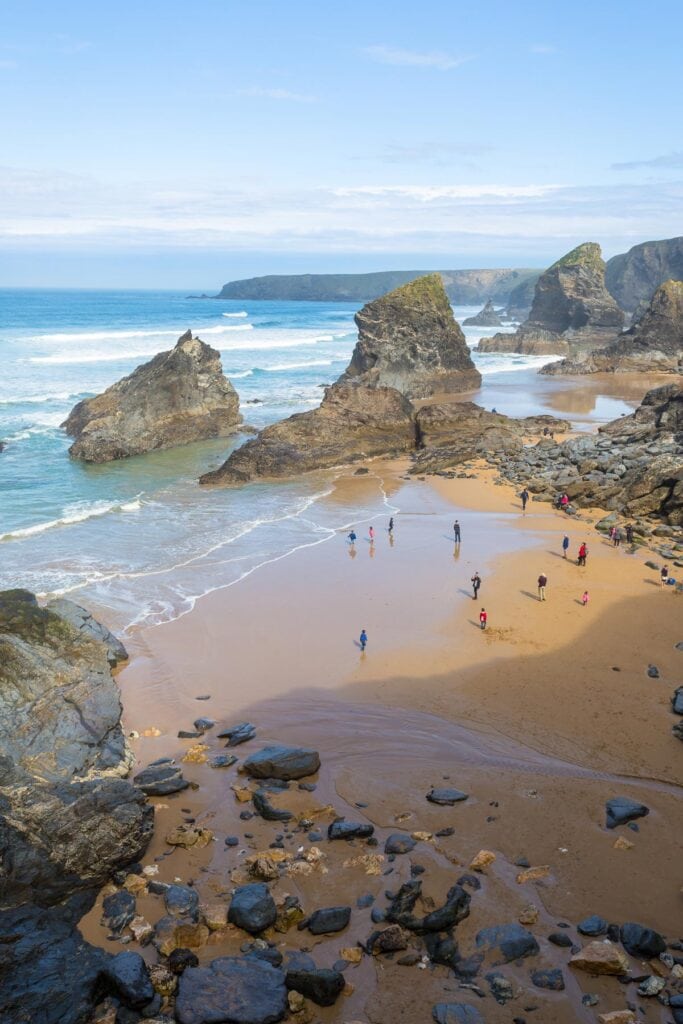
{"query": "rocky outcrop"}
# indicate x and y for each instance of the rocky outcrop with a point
(68, 817)
(462, 286)
(486, 317)
(451, 433)
(633, 277)
(633, 465)
(410, 340)
(653, 345)
(353, 422)
(571, 308)
(178, 397)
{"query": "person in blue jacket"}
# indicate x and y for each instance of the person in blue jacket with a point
(352, 537)
(363, 639)
(565, 545)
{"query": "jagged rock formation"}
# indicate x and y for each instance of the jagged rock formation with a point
(462, 286)
(178, 397)
(571, 308)
(653, 345)
(354, 421)
(633, 465)
(486, 317)
(68, 818)
(633, 277)
(451, 433)
(410, 340)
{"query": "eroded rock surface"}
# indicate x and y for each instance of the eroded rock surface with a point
(177, 397)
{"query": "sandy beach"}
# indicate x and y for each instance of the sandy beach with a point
(540, 719)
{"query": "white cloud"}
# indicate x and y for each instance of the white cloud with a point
(430, 193)
(278, 94)
(665, 161)
(413, 58)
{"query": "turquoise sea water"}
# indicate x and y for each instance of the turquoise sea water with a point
(139, 537)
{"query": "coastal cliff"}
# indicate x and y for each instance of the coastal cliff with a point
(571, 308)
(410, 340)
(178, 397)
(633, 277)
(486, 317)
(68, 817)
(462, 286)
(653, 345)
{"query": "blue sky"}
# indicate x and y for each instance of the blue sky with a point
(182, 145)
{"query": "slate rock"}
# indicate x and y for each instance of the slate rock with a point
(349, 830)
(321, 985)
(456, 1013)
(264, 807)
(593, 926)
(329, 920)
(127, 973)
(620, 810)
(280, 762)
(203, 724)
(252, 908)
(446, 796)
(513, 941)
(239, 990)
(641, 941)
(552, 979)
(180, 959)
(399, 843)
(182, 901)
(501, 987)
(272, 956)
(560, 939)
(161, 780)
(677, 701)
(388, 940)
(118, 910)
(676, 1007)
(653, 671)
(238, 734)
(223, 761)
(441, 950)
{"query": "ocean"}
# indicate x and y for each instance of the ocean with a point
(138, 539)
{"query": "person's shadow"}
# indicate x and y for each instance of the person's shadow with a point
(527, 593)
(467, 593)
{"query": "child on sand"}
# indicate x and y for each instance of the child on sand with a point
(665, 574)
(585, 599)
(363, 639)
(482, 618)
(352, 537)
(371, 534)
(391, 525)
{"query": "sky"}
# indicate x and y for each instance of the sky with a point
(168, 144)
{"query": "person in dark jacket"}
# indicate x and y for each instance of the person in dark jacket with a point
(363, 639)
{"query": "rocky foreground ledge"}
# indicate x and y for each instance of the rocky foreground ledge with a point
(68, 817)
(177, 397)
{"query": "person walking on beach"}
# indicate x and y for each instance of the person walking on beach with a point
(363, 639)
(583, 553)
(391, 525)
(629, 533)
(585, 599)
(482, 618)
(456, 531)
(525, 497)
(565, 545)
(352, 537)
(542, 584)
(665, 574)
(371, 534)
(616, 537)
(476, 583)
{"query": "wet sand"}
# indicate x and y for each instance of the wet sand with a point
(530, 718)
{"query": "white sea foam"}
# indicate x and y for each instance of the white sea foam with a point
(78, 337)
(281, 367)
(236, 314)
(236, 376)
(75, 514)
(499, 362)
(57, 396)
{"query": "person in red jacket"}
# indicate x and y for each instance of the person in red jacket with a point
(482, 618)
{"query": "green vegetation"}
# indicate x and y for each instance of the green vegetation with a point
(588, 254)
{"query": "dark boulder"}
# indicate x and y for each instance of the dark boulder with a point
(321, 985)
(118, 910)
(560, 939)
(203, 725)
(180, 959)
(501, 987)
(677, 701)
(593, 926)
(182, 901)
(252, 908)
(621, 810)
(280, 762)
(161, 780)
(399, 843)
(128, 976)
(328, 920)
(512, 940)
(456, 1013)
(237, 734)
(236, 990)
(446, 796)
(552, 979)
(387, 940)
(641, 941)
(349, 830)
(263, 806)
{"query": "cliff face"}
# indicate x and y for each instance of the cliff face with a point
(354, 421)
(571, 307)
(653, 345)
(178, 397)
(486, 317)
(409, 340)
(463, 286)
(633, 277)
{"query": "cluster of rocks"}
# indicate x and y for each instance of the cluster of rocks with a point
(571, 309)
(653, 345)
(486, 317)
(177, 397)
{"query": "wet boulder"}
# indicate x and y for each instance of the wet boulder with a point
(252, 908)
(551, 979)
(280, 762)
(592, 926)
(446, 796)
(127, 974)
(237, 734)
(161, 779)
(620, 810)
(456, 1013)
(399, 843)
(238, 990)
(182, 901)
(641, 941)
(321, 985)
(512, 940)
(349, 830)
(118, 910)
(329, 920)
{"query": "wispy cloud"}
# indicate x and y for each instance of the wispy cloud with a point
(284, 95)
(415, 58)
(542, 48)
(432, 193)
(666, 160)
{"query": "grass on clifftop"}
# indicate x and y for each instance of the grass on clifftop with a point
(423, 291)
(588, 254)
